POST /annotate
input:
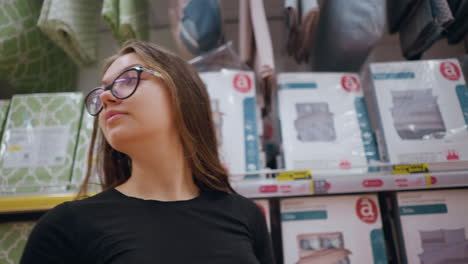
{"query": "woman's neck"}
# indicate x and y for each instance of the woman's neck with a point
(160, 173)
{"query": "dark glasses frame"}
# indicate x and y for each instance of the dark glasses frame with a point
(138, 69)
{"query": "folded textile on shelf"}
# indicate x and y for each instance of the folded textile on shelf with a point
(346, 38)
(291, 12)
(127, 19)
(310, 15)
(425, 27)
(197, 25)
(398, 11)
(302, 17)
(459, 28)
(72, 25)
(29, 61)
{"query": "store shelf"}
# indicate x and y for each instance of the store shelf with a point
(30, 203)
(350, 184)
(282, 183)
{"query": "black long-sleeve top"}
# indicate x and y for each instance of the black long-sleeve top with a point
(111, 227)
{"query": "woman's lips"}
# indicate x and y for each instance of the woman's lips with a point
(113, 115)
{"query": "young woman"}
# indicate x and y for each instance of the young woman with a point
(166, 196)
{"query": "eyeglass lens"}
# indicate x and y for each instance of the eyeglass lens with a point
(125, 84)
(122, 87)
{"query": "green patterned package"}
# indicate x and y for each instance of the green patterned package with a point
(38, 143)
(13, 237)
(127, 19)
(29, 61)
(4, 104)
(80, 166)
(72, 25)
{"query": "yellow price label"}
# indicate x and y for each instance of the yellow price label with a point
(428, 180)
(14, 148)
(312, 186)
(294, 175)
(410, 168)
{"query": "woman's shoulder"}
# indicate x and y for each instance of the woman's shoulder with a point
(58, 215)
(56, 234)
(74, 208)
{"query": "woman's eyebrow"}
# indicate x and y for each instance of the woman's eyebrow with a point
(105, 82)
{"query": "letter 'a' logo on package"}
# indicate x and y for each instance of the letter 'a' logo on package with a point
(450, 71)
(350, 83)
(366, 210)
(242, 82)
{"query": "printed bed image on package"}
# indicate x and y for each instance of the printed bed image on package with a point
(322, 248)
(448, 246)
(416, 115)
(314, 122)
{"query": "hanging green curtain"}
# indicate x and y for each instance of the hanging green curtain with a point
(73, 26)
(127, 19)
(29, 61)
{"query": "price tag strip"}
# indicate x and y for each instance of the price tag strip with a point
(404, 169)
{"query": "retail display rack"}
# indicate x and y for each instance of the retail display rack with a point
(283, 183)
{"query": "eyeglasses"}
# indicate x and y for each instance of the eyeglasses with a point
(122, 87)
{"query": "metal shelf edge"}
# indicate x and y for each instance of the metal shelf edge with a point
(30, 203)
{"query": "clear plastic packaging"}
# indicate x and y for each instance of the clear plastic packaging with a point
(419, 110)
(232, 91)
(324, 123)
(38, 143)
(313, 230)
(223, 57)
(432, 226)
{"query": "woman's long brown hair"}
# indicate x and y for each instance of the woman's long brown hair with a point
(194, 122)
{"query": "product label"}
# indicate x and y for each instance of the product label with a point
(423, 209)
(301, 85)
(368, 139)
(320, 186)
(450, 71)
(393, 75)
(367, 210)
(242, 82)
(294, 175)
(462, 94)
(304, 215)
(350, 83)
(36, 147)
(410, 168)
(252, 161)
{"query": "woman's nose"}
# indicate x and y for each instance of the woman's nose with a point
(107, 98)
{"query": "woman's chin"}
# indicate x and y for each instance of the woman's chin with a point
(120, 139)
